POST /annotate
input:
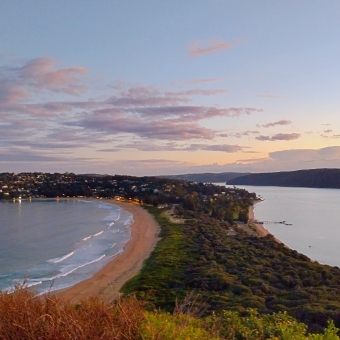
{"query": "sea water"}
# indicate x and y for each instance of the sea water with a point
(52, 245)
(312, 219)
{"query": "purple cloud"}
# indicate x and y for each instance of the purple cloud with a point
(280, 122)
(245, 133)
(222, 148)
(143, 113)
(279, 136)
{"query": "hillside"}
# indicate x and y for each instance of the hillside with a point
(313, 178)
(208, 177)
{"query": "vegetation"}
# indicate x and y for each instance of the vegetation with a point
(25, 316)
(203, 253)
(313, 178)
(235, 272)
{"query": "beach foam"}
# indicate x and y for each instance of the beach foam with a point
(71, 230)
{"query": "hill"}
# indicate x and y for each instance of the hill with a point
(313, 178)
(208, 177)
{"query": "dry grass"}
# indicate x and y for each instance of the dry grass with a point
(25, 316)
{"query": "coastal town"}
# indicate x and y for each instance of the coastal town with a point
(160, 192)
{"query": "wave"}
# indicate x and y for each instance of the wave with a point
(116, 254)
(94, 235)
(60, 259)
(34, 284)
(110, 225)
(129, 221)
(81, 266)
(52, 278)
(114, 216)
(105, 206)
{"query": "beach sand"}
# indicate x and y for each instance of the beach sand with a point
(262, 231)
(107, 282)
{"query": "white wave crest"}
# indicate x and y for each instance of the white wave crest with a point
(60, 259)
(94, 235)
(33, 284)
(81, 266)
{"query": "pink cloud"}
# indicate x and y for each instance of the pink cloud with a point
(197, 49)
(41, 74)
(11, 94)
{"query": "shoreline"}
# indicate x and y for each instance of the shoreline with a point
(261, 230)
(107, 282)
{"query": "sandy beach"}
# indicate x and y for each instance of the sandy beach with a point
(260, 228)
(107, 282)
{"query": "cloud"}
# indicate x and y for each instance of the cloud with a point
(280, 122)
(15, 155)
(40, 73)
(18, 84)
(150, 96)
(245, 133)
(157, 119)
(199, 49)
(173, 146)
(289, 160)
(327, 134)
(307, 155)
(152, 113)
(279, 136)
(215, 147)
(198, 81)
(156, 129)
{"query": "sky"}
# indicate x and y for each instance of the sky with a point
(157, 87)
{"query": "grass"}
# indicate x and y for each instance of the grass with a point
(165, 268)
(24, 316)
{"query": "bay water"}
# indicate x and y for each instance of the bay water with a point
(54, 244)
(312, 215)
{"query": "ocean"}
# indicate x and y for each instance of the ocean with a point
(52, 245)
(313, 216)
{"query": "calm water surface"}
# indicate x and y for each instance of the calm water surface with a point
(54, 245)
(313, 213)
